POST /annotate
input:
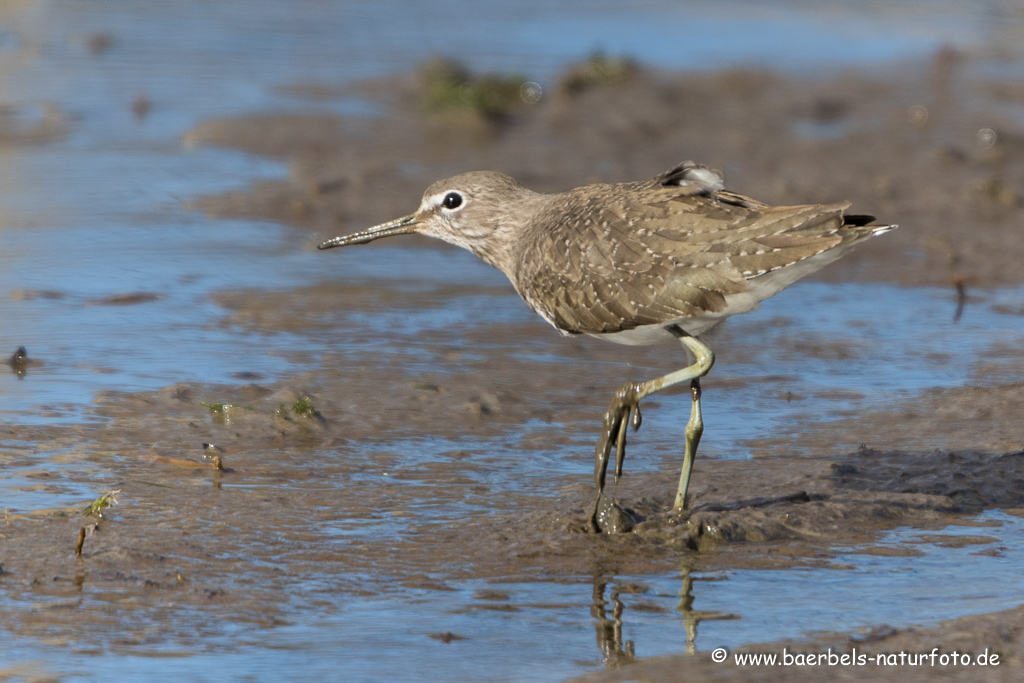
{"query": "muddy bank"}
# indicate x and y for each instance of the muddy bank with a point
(931, 146)
(970, 417)
(369, 478)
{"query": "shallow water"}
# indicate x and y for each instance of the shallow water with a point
(549, 631)
(786, 366)
(95, 213)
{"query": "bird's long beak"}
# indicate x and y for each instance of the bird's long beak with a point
(399, 226)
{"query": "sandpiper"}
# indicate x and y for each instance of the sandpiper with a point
(634, 263)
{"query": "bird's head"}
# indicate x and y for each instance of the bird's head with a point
(472, 210)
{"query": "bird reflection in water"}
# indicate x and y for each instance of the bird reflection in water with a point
(616, 652)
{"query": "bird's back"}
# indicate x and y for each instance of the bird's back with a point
(627, 260)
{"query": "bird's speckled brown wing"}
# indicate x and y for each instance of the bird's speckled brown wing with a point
(616, 257)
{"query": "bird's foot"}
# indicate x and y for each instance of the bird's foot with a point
(623, 411)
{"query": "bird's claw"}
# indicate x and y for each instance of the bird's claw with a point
(625, 407)
(623, 411)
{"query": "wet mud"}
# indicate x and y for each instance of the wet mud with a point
(393, 461)
(335, 479)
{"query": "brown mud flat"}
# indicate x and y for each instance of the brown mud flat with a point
(322, 483)
(332, 495)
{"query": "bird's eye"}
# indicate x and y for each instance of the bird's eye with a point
(452, 200)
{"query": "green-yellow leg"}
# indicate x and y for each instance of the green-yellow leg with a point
(694, 430)
(626, 403)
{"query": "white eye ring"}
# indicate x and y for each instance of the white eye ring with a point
(452, 201)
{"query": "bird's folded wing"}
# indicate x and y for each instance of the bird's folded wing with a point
(618, 261)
